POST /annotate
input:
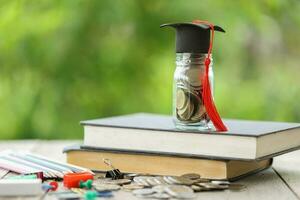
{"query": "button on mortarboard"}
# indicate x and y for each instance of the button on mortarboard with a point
(192, 38)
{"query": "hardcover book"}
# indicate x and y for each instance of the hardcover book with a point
(244, 140)
(160, 164)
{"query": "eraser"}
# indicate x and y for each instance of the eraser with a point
(20, 187)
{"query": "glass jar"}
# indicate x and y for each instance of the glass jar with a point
(188, 109)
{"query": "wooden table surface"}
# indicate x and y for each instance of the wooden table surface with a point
(282, 181)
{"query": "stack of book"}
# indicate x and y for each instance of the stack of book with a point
(150, 143)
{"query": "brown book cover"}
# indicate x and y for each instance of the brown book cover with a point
(159, 164)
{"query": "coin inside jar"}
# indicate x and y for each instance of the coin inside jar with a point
(181, 99)
(187, 111)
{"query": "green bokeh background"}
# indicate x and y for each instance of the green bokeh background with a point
(70, 60)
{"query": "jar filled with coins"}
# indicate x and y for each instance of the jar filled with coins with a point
(193, 77)
(188, 108)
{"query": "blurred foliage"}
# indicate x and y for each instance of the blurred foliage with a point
(70, 60)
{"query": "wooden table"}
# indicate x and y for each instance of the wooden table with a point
(282, 181)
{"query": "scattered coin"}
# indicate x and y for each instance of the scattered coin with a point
(106, 187)
(213, 186)
(180, 191)
(181, 180)
(220, 182)
(159, 188)
(110, 181)
(132, 186)
(142, 180)
(145, 191)
(197, 188)
(192, 176)
(160, 196)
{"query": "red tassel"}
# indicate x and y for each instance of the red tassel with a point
(208, 101)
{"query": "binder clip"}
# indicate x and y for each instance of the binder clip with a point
(114, 173)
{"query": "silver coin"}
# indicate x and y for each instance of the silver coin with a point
(173, 180)
(152, 181)
(160, 196)
(142, 180)
(144, 191)
(160, 180)
(180, 191)
(110, 181)
(167, 180)
(219, 182)
(159, 188)
(181, 99)
(197, 188)
(213, 186)
(181, 180)
(132, 186)
(192, 176)
(106, 187)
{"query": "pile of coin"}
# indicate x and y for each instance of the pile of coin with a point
(188, 103)
(189, 106)
(163, 187)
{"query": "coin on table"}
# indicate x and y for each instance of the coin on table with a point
(180, 191)
(154, 181)
(181, 99)
(132, 186)
(220, 182)
(144, 191)
(159, 188)
(160, 180)
(160, 196)
(167, 180)
(110, 181)
(180, 180)
(192, 176)
(202, 180)
(197, 188)
(106, 187)
(142, 180)
(213, 186)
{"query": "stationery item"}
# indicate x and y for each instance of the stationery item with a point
(114, 173)
(3, 172)
(31, 176)
(86, 184)
(28, 163)
(48, 173)
(51, 186)
(20, 187)
(162, 164)
(245, 140)
(72, 180)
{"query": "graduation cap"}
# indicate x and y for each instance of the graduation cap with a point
(192, 37)
(197, 37)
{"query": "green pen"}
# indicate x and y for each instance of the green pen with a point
(29, 176)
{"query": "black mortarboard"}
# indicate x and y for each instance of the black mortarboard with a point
(191, 37)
